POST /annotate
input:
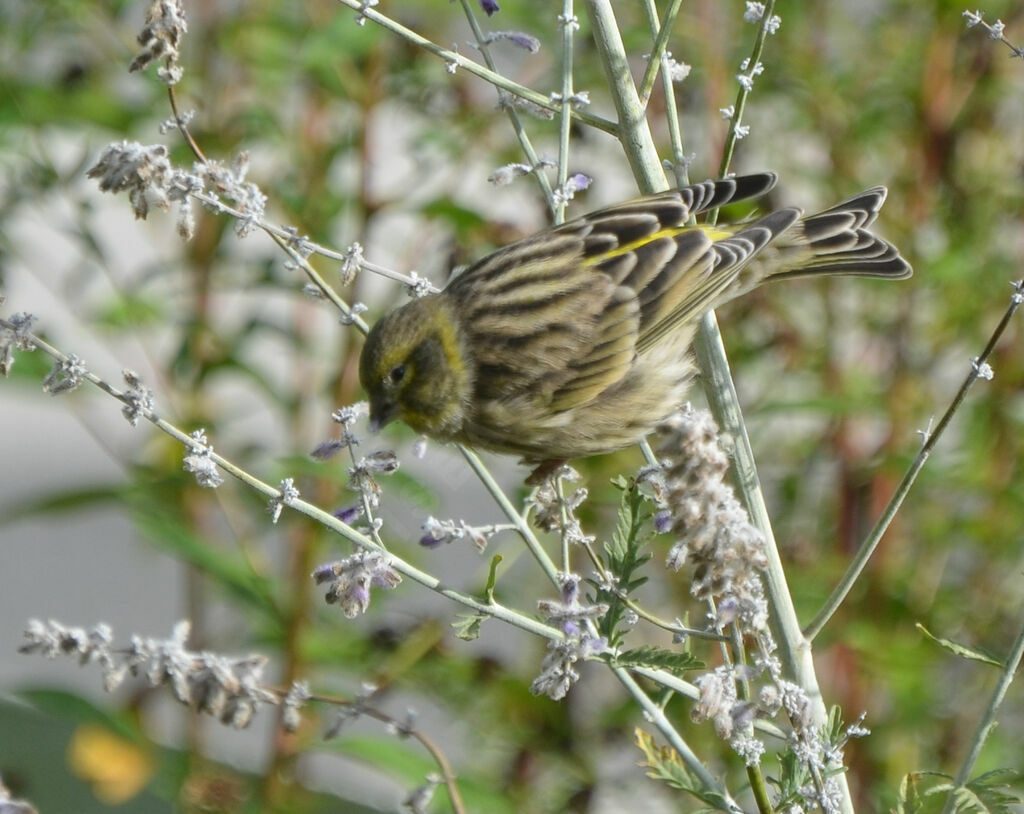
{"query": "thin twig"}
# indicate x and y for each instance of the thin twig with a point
(428, 743)
(513, 115)
(735, 121)
(988, 720)
(657, 716)
(867, 548)
(568, 23)
(656, 60)
(182, 127)
(476, 68)
(536, 549)
(633, 131)
(494, 609)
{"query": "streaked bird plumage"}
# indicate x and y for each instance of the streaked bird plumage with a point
(575, 341)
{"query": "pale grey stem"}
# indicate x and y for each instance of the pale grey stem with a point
(565, 123)
(475, 68)
(517, 125)
(660, 44)
(633, 132)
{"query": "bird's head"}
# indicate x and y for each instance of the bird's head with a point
(415, 369)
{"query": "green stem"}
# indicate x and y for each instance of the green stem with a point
(725, 406)
(867, 548)
(316, 513)
(532, 543)
(657, 716)
(660, 44)
(744, 92)
(662, 30)
(988, 719)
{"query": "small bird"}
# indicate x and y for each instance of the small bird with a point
(575, 341)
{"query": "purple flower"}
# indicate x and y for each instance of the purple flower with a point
(348, 514)
(326, 450)
(351, 579)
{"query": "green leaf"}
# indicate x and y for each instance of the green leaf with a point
(663, 763)
(986, 794)
(961, 650)
(467, 625)
(675, 662)
(128, 310)
(793, 776)
(492, 577)
(66, 501)
(624, 556)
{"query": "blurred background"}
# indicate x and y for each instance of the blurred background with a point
(355, 135)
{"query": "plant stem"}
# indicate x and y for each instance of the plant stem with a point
(657, 717)
(475, 68)
(513, 115)
(532, 543)
(632, 130)
(568, 23)
(988, 719)
(744, 92)
(662, 29)
(931, 438)
(660, 44)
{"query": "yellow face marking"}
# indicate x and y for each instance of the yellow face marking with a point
(712, 232)
(452, 352)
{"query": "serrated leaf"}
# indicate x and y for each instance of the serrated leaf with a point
(656, 657)
(961, 650)
(624, 556)
(793, 777)
(909, 801)
(923, 792)
(620, 482)
(663, 763)
(986, 794)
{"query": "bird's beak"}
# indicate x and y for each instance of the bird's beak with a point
(382, 413)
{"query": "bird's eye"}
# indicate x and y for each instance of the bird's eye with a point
(396, 374)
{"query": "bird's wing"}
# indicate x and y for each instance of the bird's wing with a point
(677, 271)
(565, 312)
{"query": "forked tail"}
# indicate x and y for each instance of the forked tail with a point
(837, 241)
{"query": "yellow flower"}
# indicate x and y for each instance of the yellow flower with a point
(575, 341)
(116, 768)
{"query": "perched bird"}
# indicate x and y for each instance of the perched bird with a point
(575, 341)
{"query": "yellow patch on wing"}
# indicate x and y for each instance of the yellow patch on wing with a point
(712, 232)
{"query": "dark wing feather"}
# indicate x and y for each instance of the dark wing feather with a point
(836, 241)
(561, 315)
(700, 281)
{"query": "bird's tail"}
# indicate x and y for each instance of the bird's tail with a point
(837, 241)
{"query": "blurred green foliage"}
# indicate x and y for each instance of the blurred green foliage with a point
(357, 135)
